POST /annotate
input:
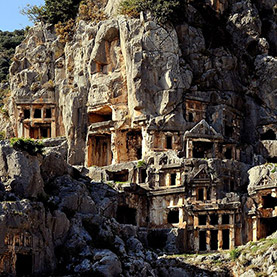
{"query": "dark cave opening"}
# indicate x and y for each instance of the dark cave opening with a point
(214, 239)
(202, 241)
(268, 135)
(225, 239)
(157, 239)
(269, 225)
(24, 265)
(173, 217)
(126, 215)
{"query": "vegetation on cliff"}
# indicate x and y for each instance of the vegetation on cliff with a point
(53, 11)
(8, 42)
(162, 10)
(31, 146)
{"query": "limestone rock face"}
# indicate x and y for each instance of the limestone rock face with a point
(20, 173)
(159, 136)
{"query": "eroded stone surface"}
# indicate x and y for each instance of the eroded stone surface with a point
(178, 121)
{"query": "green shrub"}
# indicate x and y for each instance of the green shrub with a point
(31, 146)
(235, 253)
(162, 10)
(141, 163)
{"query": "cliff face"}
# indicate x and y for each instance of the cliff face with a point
(221, 55)
(180, 119)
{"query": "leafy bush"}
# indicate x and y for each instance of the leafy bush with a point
(35, 13)
(31, 146)
(235, 253)
(162, 10)
(141, 163)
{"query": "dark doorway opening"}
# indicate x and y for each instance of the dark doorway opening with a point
(201, 149)
(202, 241)
(173, 217)
(190, 117)
(26, 114)
(24, 265)
(139, 153)
(228, 153)
(157, 239)
(100, 153)
(200, 195)
(169, 142)
(173, 179)
(268, 135)
(269, 225)
(228, 131)
(119, 176)
(126, 215)
(45, 132)
(214, 239)
(208, 194)
(143, 175)
(48, 113)
(225, 239)
(269, 201)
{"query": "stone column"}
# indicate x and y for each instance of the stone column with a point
(189, 149)
(254, 228)
(208, 240)
(219, 237)
(113, 147)
(220, 241)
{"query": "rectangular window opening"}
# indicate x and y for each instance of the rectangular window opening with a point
(202, 219)
(200, 194)
(169, 142)
(202, 241)
(225, 219)
(214, 239)
(48, 113)
(27, 114)
(225, 239)
(213, 219)
(37, 113)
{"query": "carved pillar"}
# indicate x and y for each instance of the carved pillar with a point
(208, 240)
(220, 241)
(196, 234)
(255, 228)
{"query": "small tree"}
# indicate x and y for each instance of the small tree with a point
(35, 13)
(53, 11)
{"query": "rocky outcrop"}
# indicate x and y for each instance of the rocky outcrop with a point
(68, 230)
(167, 128)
